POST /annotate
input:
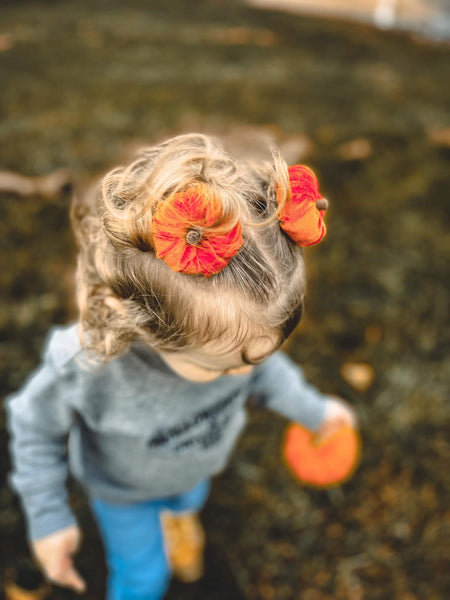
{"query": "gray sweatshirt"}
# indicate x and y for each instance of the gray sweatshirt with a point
(132, 429)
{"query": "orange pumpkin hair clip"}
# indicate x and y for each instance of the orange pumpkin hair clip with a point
(181, 223)
(179, 237)
(299, 216)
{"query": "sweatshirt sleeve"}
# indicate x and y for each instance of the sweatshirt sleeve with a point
(39, 419)
(278, 384)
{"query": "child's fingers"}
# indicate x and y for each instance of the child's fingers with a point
(339, 410)
(328, 430)
(347, 417)
(63, 573)
(338, 414)
(74, 580)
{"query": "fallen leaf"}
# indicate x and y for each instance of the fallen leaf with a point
(440, 136)
(6, 42)
(359, 375)
(373, 334)
(357, 149)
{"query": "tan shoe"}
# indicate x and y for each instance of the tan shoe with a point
(14, 592)
(184, 540)
(24, 581)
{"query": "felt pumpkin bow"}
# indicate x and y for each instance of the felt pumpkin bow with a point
(181, 237)
(183, 225)
(301, 216)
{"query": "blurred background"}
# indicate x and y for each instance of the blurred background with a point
(360, 92)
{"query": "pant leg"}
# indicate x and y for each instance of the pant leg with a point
(135, 555)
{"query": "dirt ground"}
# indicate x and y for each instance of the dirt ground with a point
(81, 83)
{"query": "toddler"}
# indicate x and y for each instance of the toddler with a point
(190, 276)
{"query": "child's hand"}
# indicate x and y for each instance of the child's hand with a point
(54, 553)
(338, 414)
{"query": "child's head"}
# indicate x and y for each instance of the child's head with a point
(234, 311)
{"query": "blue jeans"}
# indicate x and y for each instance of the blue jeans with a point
(133, 541)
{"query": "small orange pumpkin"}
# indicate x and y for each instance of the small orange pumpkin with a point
(321, 463)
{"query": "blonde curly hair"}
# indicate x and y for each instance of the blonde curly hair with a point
(126, 293)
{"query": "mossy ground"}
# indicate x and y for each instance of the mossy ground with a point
(83, 79)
